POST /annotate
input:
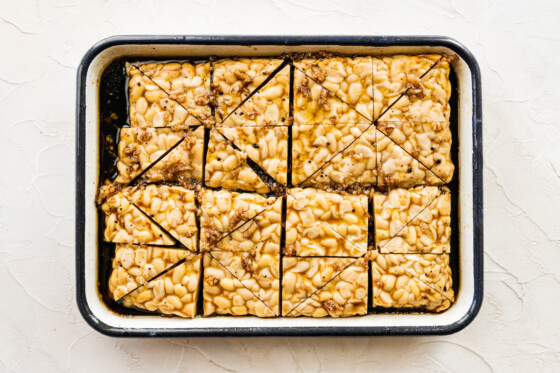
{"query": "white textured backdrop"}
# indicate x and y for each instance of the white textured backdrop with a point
(517, 46)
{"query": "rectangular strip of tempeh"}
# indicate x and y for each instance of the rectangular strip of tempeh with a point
(394, 75)
(125, 223)
(174, 292)
(266, 146)
(396, 168)
(227, 167)
(414, 220)
(233, 221)
(320, 223)
(269, 106)
(172, 207)
(334, 154)
(321, 287)
(429, 142)
(333, 90)
(235, 80)
(170, 94)
(411, 281)
(426, 98)
(242, 283)
(139, 148)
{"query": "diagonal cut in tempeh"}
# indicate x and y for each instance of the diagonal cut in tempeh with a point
(173, 208)
(169, 95)
(160, 154)
(236, 81)
(411, 281)
(156, 279)
(333, 90)
(242, 283)
(267, 105)
(324, 286)
(319, 223)
(234, 222)
(228, 167)
(414, 220)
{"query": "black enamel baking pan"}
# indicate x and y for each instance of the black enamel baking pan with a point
(467, 238)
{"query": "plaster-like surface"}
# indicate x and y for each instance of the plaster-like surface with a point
(517, 44)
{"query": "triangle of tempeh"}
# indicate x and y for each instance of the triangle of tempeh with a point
(268, 106)
(160, 154)
(333, 90)
(125, 223)
(242, 283)
(156, 278)
(414, 220)
(235, 80)
(396, 75)
(266, 146)
(319, 223)
(412, 281)
(173, 208)
(233, 221)
(324, 286)
(227, 167)
(167, 95)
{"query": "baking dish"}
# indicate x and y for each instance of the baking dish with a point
(468, 186)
